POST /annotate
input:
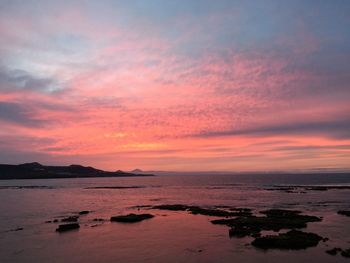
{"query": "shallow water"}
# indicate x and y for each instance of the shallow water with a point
(171, 236)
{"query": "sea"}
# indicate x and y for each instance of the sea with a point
(171, 236)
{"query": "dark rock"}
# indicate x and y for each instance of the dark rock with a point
(70, 219)
(326, 188)
(228, 222)
(85, 212)
(275, 220)
(176, 207)
(131, 218)
(317, 188)
(344, 212)
(48, 221)
(293, 239)
(67, 227)
(290, 215)
(196, 210)
(240, 209)
(26, 187)
(244, 231)
(211, 212)
(16, 229)
(333, 251)
(55, 221)
(141, 207)
(156, 199)
(346, 253)
(303, 188)
(114, 187)
(280, 212)
(255, 235)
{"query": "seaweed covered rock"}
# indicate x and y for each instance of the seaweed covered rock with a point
(131, 218)
(67, 227)
(293, 240)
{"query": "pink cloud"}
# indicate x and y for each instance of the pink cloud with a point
(132, 101)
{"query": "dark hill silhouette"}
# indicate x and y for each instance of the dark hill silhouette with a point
(38, 171)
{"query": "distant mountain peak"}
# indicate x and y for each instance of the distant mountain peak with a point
(75, 165)
(137, 171)
(31, 165)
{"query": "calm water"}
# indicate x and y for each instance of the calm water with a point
(170, 236)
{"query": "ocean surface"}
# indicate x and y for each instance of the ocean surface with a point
(171, 236)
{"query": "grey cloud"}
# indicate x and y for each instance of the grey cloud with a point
(17, 114)
(12, 80)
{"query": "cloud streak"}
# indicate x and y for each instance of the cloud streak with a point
(332, 128)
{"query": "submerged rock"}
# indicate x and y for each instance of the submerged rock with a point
(114, 187)
(291, 214)
(334, 251)
(15, 229)
(241, 209)
(346, 253)
(212, 212)
(67, 227)
(304, 188)
(131, 218)
(344, 212)
(26, 187)
(84, 212)
(70, 219)
(176, 207)
(293, 239)
(244, 231)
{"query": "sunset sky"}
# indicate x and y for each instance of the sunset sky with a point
(187, 85)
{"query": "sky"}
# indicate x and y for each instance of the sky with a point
(188, 85)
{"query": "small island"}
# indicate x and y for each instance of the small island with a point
(38, 171)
